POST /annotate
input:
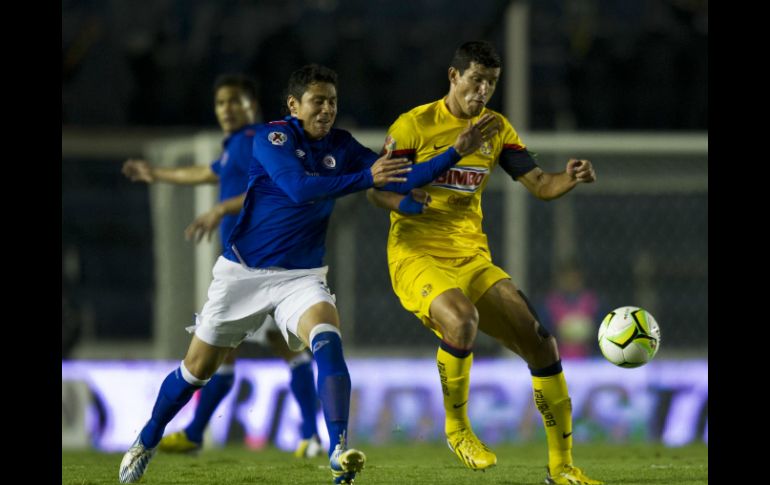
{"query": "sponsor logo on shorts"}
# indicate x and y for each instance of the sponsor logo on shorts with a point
(426, 290)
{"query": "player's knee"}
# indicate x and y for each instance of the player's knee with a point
(462, 324)
(200, 368)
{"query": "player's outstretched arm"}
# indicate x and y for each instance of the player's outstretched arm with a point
(287, 172)
(138, 170)
(205, 224)
(549, 186)
(467, 142)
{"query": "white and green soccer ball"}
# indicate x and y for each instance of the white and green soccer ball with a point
(629, 336)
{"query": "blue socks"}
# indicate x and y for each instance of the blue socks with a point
(210, 397)
(303, 388)
(175, 392)
(333, 381)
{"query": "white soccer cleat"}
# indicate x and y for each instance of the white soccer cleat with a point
(135, 462)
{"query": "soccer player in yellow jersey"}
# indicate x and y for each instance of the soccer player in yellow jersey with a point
(440, 264)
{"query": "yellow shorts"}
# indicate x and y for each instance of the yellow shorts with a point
(418, 280)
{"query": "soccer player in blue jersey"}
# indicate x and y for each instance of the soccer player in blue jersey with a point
(236, 109)
(273, 260)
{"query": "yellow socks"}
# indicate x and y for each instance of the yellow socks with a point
(455, 380)
(554, 404)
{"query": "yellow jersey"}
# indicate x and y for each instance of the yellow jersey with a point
(451, 226)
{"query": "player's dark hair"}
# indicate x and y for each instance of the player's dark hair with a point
(307, 75)
(478, 51)
(247, 85)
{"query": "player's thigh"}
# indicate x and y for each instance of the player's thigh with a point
(306, 299)
(320, 313)
(273, 338)
(203, 359)
(506, 316)
(421, 280)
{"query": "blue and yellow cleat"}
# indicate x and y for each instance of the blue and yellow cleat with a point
(345, 464)
(309, 448)
(178, 443)
(135, 462)
(470, 450)
(569, 475)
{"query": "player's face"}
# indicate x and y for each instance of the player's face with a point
(471, 91)
(233, 108)
(317, 109)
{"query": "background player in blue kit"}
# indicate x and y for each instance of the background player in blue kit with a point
(236, 109)
(273, 260)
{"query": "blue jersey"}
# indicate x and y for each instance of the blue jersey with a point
(293, 182)
(232, 168)
(292, 185)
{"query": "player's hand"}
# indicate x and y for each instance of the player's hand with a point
(203, 225)
(386, 170)
(581, 170)
(475, 134)
(138, 170)
(415, 203)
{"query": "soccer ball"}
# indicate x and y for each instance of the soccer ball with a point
(629, 336)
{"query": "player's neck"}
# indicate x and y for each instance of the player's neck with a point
(454, 108)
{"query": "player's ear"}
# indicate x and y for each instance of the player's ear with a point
(292, 103)
(453, 75)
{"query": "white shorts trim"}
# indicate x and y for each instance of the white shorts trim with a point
(238, 293)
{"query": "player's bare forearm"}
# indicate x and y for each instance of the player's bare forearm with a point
(233, 205)
(189, 175)
(549, 186)
(554, 185)
(384, 199)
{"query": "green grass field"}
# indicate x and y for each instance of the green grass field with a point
(412, 464)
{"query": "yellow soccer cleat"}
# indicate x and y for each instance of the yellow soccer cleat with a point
(470, 450)
(309, 448)
(569, 475)
(178, 443)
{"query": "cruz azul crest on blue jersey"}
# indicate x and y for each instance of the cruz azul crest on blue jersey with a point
(464, 179)
(277, 138)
